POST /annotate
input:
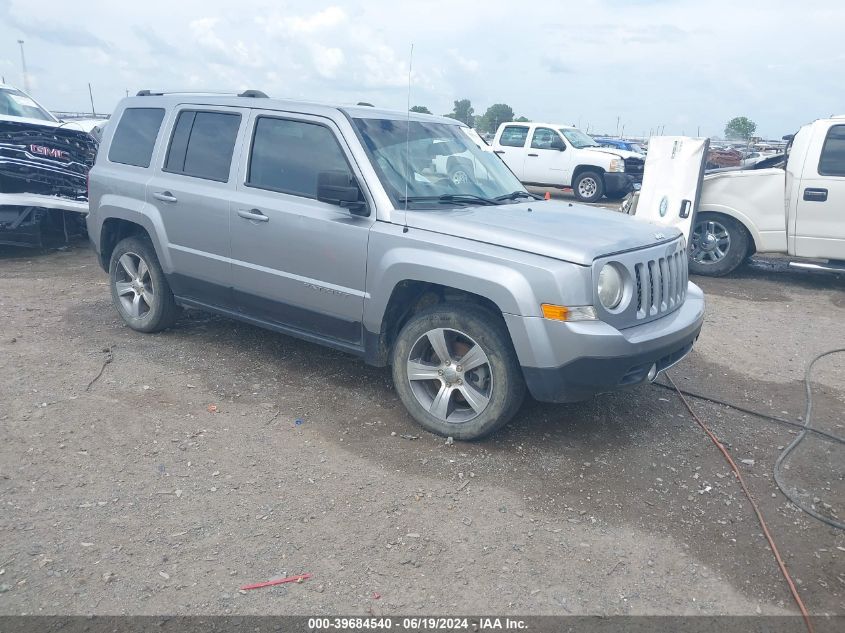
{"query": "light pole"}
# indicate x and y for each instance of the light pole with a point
(23, 67)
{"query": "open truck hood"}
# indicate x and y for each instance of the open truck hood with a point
(568, 232)
(672, 182)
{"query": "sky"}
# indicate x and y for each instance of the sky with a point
(685, 66)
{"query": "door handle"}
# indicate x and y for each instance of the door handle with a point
(164, 196)
(498, 151)
(812, 194)
(534, 155)
(253, 214)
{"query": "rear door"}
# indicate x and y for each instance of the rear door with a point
(820, 209)
(511, 147)
(297, 262)
(545, 162)
(191, 188)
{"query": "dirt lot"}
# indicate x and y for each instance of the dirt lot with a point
(131, 497)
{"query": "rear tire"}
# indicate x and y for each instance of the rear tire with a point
(588, 187)
(472, 392)
(139, 289)
(719, 245)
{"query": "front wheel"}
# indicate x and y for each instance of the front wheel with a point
(588, 187)
(456, 371)
(718, 245)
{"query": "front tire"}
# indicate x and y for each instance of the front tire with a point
(718, 245)
(588, 187)
(456, 371)
(139, 289)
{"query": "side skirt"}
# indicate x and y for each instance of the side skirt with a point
(349, 348)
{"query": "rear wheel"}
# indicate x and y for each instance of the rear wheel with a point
(456, 372)
(139, 289)
(588, 186)
(718, 245)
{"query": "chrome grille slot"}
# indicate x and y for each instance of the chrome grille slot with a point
(661, 284)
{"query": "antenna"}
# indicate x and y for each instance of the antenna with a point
(408, 139)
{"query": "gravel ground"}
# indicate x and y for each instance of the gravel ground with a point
(135, 496)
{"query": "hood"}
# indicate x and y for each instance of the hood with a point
(569, 232)
(621, 153)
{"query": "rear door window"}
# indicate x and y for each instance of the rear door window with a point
(514, 136)
(832, 161)
(202, 144)
(135, 136)
(287, 155)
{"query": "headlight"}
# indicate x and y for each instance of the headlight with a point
(610, 287)
(617, 164)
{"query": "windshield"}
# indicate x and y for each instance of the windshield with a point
(636, 147)
(435, 165)
(15, 103)
(577, 138)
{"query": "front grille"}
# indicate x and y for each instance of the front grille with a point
(661, 284)
(635, 167)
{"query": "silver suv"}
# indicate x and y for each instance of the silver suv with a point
(335, 224)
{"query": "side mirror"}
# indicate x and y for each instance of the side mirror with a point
(341, 189)
(558, 144)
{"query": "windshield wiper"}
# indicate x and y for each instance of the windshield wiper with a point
(463, 198)
(514, 195)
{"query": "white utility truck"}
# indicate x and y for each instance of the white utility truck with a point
(798, 211)
(554, 155)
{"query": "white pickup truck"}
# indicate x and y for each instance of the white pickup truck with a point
(798, 211)
(554, 155)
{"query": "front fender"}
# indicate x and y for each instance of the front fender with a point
(755, 198)
(516, 282)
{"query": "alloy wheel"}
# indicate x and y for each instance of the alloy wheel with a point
(450, 375)
(710, 242)
(134, 285)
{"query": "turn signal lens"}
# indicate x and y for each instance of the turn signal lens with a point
(571, 313)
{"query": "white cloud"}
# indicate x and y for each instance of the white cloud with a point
(327, 61)
(327, 18)
(464, 63)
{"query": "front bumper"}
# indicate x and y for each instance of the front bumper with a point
(619, 182)
(568, 362)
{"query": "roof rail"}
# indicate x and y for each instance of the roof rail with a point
(157, 93)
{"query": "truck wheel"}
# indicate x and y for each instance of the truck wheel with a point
(139, 289)
(718, 245)
(456, 371)
(459, 172)
(588, 187)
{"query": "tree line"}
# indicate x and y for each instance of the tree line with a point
(487, 122)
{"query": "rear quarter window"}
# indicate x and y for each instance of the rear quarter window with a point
(135, 136)
(832, 161)
(202, 144)
(514, 136)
